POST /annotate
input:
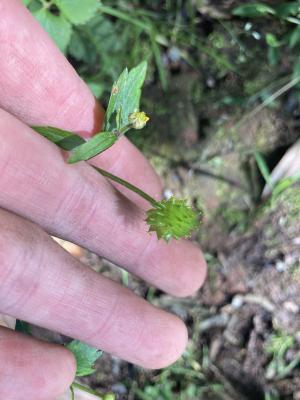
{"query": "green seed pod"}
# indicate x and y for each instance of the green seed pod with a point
(172, 219)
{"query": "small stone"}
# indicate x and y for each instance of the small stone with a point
(119, 388)
(280, 266)
(168, 194)
(237, 302)
(296, 396)
(291, 307)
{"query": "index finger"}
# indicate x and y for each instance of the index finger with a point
(40, 87)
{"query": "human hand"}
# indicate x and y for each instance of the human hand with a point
(40, 195)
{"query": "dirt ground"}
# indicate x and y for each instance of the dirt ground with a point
(245, 323)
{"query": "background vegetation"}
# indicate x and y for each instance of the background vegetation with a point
(223, 94)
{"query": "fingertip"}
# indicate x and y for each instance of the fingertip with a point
(61, 369)
(177, 268)
(178, 337)
(70, 365)
(194, 272)
(169, 342)
(32, 369)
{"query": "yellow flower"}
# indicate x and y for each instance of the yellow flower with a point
(138, 119)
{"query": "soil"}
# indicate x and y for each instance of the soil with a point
(252, 294)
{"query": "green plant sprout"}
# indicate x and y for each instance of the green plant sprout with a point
(169, 219)
(277, 346)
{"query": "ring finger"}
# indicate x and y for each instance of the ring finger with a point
(44, 285)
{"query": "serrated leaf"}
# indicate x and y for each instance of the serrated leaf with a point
(125, 95)
(85, 356)
(56, 26)
(253, 10)
(78, 11)
(96, 145)
(64, 139)
(116, 93)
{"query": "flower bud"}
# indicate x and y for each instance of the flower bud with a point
(138, 119)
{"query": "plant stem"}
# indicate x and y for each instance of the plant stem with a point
(86, 389)
(124, 16)
(128, 185)
(72, 393)
(122, 131)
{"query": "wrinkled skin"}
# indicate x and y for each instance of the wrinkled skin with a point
(40, 195)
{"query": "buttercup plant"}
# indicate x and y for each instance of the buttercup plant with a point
(169, 219)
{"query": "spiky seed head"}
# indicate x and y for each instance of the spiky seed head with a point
(138, 119)
(172, 218)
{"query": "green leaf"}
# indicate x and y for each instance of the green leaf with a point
(115, 96)
(56, 26)
(26, 2)
(64, 139)
(85, 356)
(253, 10)
(125, 95)
(263, 167)
(284, 184)
(78, 11)
(294, 37)
(96, 145)
(34, 6)
(97, 88)
(272, 40)
(82, 150)
(158, 60)
(273, 55)
(290, 8)
(78, 46)
(296, 69)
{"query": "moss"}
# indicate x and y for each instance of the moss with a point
(289, 203)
